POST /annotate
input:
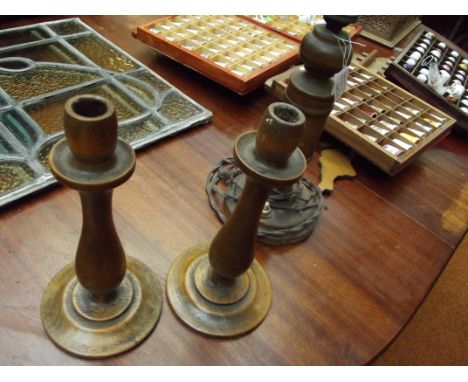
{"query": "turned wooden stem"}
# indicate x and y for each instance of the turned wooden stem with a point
(311, 90)
(100, 258)
(265, 158)
(232, 249)
(93, 161)
(313, 128)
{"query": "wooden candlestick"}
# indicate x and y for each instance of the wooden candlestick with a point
(104, 303)
(291, 212)
(220, 289)
(324, 52)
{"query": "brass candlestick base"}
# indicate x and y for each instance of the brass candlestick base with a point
(224, 307)
(104, 303)
(96, 329)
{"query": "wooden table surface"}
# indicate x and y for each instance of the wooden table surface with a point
(338, 298)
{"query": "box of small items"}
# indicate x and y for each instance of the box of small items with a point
(384, 123)
(234, 51)
(436, 70)
(379, 120)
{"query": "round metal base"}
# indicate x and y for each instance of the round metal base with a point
(240, 305)
(96, 329)
(289, 217)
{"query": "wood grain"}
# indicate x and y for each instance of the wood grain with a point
(338, 298)
(437, 333)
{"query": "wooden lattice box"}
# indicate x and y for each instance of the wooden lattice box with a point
(231, 50)
(379, 120)
(387, 30)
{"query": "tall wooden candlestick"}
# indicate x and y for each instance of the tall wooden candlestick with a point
(291, 212)
(324, 51)
(220, 289)
(104, 303)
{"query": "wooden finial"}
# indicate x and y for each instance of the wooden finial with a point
(311, 90)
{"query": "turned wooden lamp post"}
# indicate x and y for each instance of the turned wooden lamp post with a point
(291, 212)
(105, 303)
(220, 290)
(324, 51)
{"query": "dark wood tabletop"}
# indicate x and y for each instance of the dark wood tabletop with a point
(340, 297)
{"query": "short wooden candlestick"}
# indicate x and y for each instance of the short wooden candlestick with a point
(220, 290)
(104, 303)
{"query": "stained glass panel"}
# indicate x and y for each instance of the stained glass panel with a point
(50, 52)
(19, 128)
(40, 80)
(36, 79)
(141, 90)
(43, 155)
(67, 28)
(102, 54)
(21, 36)
(13, 175)
(134, 131)
(5, 147)
(177, 108)
(154, 81)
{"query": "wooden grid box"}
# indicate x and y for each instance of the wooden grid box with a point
(231, 50)
(382, 122)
